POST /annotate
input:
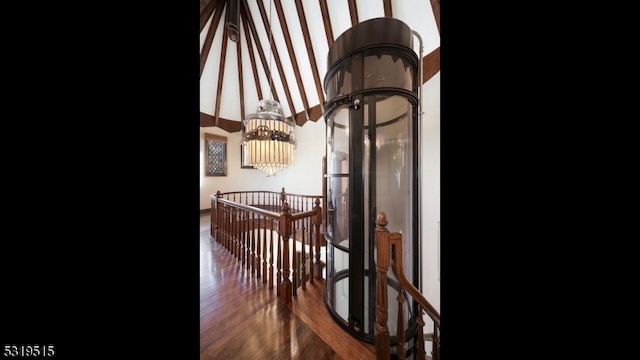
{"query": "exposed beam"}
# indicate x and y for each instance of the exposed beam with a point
(387, 8)
(353, 12)
(206, 13)
(206, 47)
(327, 22)
(310, 53)
(247, 36)
(259, 47)
(435, 5)
(223, 60)
(316, 112)
(240, 77)
(430, 64)
(231, 126)
(276, 57)
(292, 56)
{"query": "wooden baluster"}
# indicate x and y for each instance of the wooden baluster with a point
(228, 229)
(295, 259)
(317, 222)
(271, 226)
(243, 241)
(395, 240)
(255, 230)
(241, 219)
(303, 253)
(233, 241)
(279, 260)
(285, 234)
(435, 340)
(252, 248)
(246, 259)
(219, 221)
(232, 223)
(420, 345)
(225, 227)
(263, 225)
(400, 351)
(238, 245)
(382, 340)
(214, 216)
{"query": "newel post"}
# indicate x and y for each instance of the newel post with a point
(214, 215)
(316, 267)
(382, 340)
(285, 232)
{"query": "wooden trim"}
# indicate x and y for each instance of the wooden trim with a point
(208, 136)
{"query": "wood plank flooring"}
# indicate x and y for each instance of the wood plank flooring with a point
(241, 318)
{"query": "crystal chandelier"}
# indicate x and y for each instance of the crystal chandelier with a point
(269, 138)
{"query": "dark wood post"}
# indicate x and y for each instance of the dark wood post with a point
(382, 340)
(316, 268)
(214, 215)
(285, 233)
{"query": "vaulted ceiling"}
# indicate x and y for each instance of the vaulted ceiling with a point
(277, 49)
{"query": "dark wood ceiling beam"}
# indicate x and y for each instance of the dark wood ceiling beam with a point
(314, 113)
(430, 65)
(206, 47)
(435, 5)
(310, 53)
(206, 12)
(240, 77)
(276, 57)
(292, 56)
(231, 126)
(253, 34)
(353, 12)
(387, 8)
(223, 60)
(327, 22)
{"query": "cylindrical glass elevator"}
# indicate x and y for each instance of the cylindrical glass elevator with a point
(371, 167)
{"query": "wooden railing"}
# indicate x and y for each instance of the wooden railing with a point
(272, 234)
(389, 247)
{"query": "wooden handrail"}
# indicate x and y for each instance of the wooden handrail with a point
(235, 216)
(389, 247)
(250, 208)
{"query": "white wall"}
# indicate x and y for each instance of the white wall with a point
(430, 191)
(305, 177)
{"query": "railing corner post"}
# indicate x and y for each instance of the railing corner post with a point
(285, 227)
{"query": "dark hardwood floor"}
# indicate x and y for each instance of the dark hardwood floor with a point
(241, 318)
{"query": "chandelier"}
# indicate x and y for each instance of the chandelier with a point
(269, 138)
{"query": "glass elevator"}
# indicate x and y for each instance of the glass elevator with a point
(371, 166)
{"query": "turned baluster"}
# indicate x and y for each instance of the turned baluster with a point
(285, 234)
(317, 222)
(382, 340)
